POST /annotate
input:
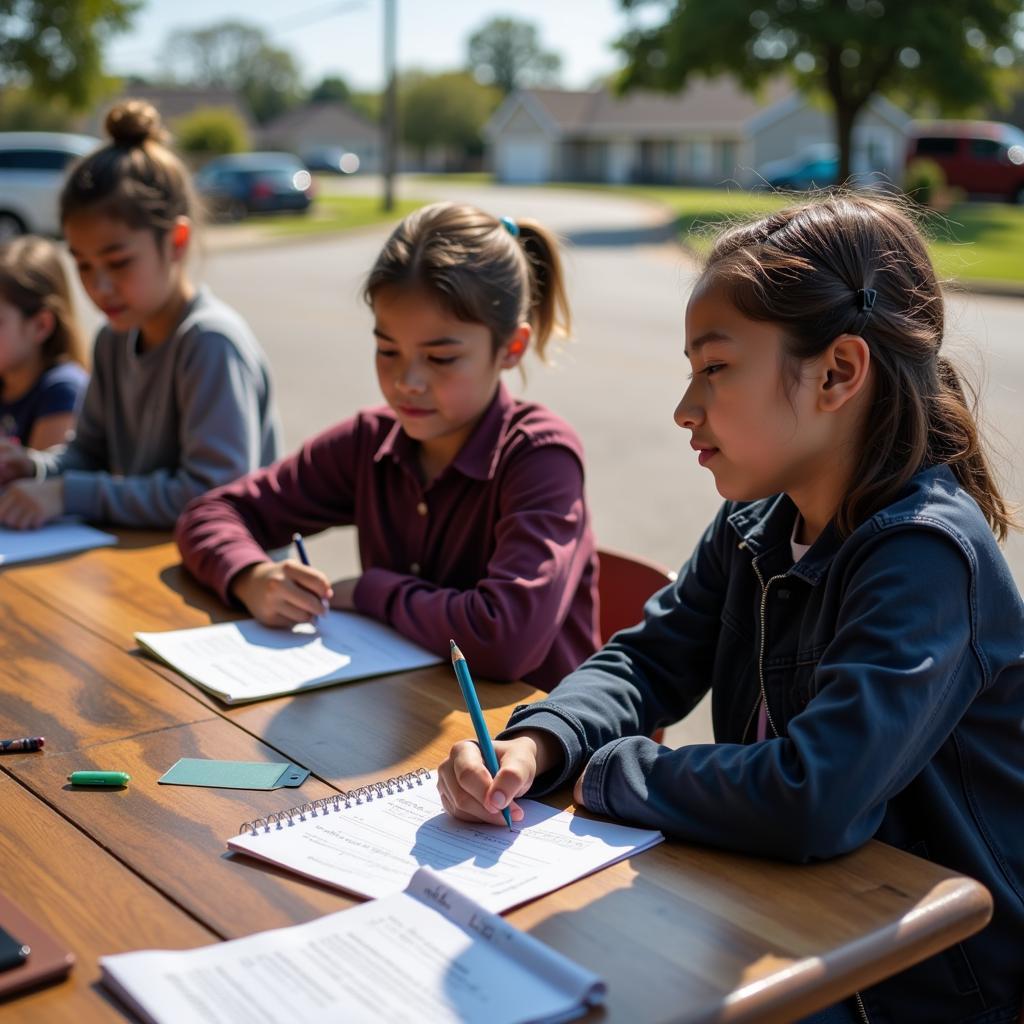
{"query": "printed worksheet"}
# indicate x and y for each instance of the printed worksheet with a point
(374, 847)
(243, 661)
(426, 954)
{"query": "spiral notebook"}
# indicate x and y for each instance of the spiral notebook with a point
(370, 841)
(427, 955)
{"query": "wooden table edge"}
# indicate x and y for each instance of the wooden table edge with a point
(963, 908)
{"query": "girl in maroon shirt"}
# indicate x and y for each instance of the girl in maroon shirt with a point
(469, 503)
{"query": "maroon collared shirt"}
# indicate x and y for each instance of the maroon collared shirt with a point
(496, 553)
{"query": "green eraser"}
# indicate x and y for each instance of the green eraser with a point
(99, 778)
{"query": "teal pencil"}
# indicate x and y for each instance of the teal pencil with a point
(479, 725)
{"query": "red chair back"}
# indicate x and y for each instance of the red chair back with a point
(624, 584)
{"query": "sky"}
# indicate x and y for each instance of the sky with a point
(330, 37)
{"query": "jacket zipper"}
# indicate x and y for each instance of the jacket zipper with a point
(760, 653)
(860, 1009)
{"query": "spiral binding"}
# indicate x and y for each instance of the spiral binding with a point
(336, 801)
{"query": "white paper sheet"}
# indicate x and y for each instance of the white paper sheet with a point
(373, 849)
(57, 538)
(243, 661)
(423, 955)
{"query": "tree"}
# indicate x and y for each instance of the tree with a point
(847, 50)
(447, 109)
(56, 47)
(332, 89)
(507, 53)
(234, 55)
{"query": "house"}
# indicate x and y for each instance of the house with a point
(325, 126)
(794, 124)
(712, 132)
(175, 101)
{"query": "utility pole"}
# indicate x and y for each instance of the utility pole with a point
(389, 108)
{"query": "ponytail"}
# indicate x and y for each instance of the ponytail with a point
(549, 307)
(953, 439)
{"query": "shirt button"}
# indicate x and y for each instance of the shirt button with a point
(421, 508)
(415, 568)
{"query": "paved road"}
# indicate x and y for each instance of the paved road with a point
(617, 382)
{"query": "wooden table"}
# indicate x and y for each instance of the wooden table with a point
(680, 933)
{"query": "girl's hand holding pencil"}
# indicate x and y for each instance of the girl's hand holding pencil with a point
(468, 791)
(283, 594)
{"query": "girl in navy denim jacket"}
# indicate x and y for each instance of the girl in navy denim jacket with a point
(849, 608)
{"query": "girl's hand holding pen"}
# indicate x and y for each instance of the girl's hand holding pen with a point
(283, 594)
(470, 794)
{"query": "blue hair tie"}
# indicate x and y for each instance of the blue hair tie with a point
(510, 226)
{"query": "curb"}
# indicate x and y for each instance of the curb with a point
(999, 289)
(259, 239)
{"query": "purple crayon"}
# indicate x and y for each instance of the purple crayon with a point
(22, 746)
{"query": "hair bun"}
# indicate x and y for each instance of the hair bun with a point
(134, 122)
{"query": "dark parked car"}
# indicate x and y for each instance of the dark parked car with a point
(332, 159)
(235, 186)
(984, 158)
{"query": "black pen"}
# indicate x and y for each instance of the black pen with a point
(304, 559)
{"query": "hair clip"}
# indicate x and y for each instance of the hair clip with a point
(510, 226)
(866, 304)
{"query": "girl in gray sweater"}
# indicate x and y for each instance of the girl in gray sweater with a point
(180, 397)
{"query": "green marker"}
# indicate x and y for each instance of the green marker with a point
(99, 778)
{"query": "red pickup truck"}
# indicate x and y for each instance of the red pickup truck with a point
(984, 158)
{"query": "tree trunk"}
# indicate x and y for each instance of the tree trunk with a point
(844, 115)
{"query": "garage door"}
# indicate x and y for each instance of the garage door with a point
(524, 160)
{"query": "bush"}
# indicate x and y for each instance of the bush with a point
(925, 182)
(23, 111)
(211, 131)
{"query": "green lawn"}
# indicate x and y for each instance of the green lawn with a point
(334, 213)
(460, 178)
(971, 242)
(980, 241)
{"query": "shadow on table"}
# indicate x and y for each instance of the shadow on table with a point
(134, 540)
(195, 595)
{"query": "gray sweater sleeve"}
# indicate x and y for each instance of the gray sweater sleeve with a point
(219, 439)
(88, 449)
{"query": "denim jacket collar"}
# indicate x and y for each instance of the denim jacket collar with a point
(765, 528)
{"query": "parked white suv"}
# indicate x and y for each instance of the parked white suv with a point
(32, 167)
